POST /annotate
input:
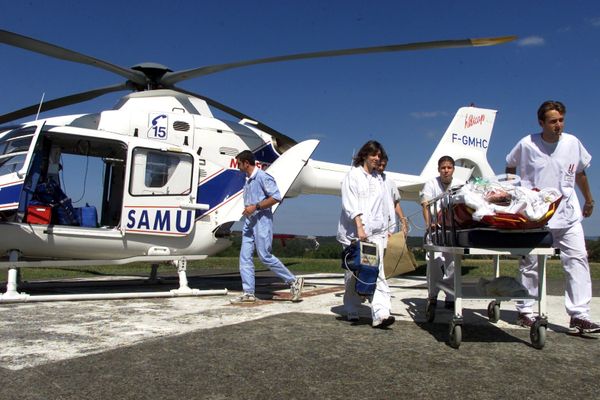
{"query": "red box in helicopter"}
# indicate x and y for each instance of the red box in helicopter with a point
(39, 214)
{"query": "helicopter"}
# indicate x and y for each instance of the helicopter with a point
(168, 186)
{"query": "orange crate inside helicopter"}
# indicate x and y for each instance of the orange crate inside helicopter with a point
(39, 214)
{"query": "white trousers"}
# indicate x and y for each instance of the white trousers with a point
(440, 269)
(381, 303)
(578, 283)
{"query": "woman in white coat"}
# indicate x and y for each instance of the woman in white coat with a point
(363, 218)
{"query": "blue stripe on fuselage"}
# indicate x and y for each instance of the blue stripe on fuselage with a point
(230, 181)
(10, 194)
(220, 188)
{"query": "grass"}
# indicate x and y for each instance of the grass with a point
(474, 268)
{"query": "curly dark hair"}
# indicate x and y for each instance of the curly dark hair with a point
(370, 148)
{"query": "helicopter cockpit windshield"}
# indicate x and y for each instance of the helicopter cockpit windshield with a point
(14, 145)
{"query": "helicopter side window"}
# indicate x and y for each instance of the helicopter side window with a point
(12, 163)
(161, 173)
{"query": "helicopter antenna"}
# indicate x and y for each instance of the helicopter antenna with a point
(40, 107)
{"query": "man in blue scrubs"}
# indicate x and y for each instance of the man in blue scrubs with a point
(260, 194)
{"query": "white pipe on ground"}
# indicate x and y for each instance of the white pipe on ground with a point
(111, 296)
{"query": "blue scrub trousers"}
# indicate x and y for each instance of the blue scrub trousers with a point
(258, 233)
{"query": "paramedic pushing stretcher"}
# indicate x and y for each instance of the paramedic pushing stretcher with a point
(260, 194)
(558, 160)
(363, 217)
(442, 266)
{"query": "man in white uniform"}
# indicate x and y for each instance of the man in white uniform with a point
(556, 159)
(363, 218)
(441, 268)
(393, 208)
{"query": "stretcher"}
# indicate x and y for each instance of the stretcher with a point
(453, 233)
(537, 331)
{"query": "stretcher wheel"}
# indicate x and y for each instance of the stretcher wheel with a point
(538, 336)
(493, 311)
(430, 311)
(455, 337)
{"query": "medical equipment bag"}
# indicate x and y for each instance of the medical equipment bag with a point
(362, 259)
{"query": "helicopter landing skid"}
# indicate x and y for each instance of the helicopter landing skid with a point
(12, 295)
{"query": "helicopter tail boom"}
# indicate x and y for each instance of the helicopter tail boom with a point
(466, 140)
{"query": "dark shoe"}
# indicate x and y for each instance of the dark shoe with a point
(383, 323)
(352, 316)
(583, 325)
(525, 320)
(449, 304)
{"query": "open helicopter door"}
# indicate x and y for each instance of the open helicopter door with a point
(160, 195)
(288, 166)
(17, 147)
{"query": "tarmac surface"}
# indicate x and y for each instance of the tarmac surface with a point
(205, 348)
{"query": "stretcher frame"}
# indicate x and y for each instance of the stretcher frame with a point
(537, 331)
(443, 237)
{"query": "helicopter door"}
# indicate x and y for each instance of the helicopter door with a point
(16, 153)
(161, 194)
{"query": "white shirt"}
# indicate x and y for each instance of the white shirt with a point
(391, 200)
(540, 169)
(362, 194)
(434, 187)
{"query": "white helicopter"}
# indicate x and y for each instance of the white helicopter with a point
(168, 185)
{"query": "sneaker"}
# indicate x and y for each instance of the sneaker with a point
(296, 288)
(352, 316)
(244, 298)
(526, 320)
(383, 323)
(583, 325)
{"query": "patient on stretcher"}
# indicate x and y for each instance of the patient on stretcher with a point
(495, 202)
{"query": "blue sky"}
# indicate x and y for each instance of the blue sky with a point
(404, 100)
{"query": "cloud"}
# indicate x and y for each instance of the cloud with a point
(319, 136)
(531, 41)
(428, 114)
(595, 22)
(432, 135)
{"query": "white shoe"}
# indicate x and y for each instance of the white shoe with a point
(244, 298)
(296, 289)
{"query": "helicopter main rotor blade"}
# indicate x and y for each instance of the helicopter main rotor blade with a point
(63, 101)
(51, 50)
(171, 78)
(283, 141)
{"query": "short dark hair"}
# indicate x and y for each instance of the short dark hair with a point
(445, 159)
(549, 106)
(370, 148)
(246, 155)
(384, 157)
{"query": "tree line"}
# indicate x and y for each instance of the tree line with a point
(329, 248)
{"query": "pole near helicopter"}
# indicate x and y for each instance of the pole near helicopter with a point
(170, 189)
